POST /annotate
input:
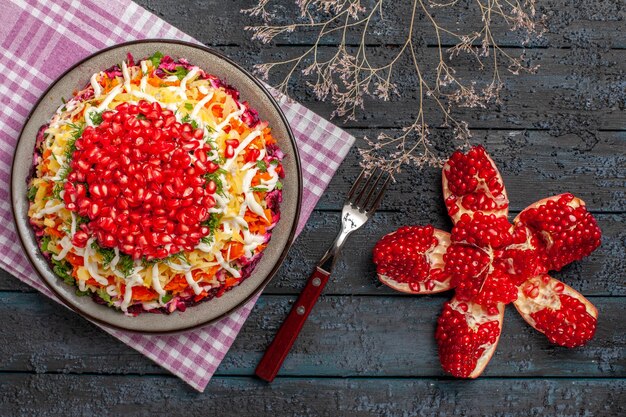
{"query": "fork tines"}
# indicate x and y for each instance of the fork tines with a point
(368, 189)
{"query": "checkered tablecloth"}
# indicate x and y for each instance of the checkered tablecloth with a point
(40, 40)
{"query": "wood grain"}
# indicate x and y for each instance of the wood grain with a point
(569, 23)
(344, 336)
(534, 165)
(88, 395)
(366, 350)
(580, 90)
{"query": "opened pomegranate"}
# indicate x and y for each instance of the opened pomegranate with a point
(491, 262)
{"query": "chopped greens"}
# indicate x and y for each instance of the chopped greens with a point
(166, 298)
(180, 72)
(258, 189)
(77, 132)
(96, 117)
(106, 253)
(217, 179)
(45, 241)
(262, 166)
(102, 293)
(125, 264)
(212, 223)
(64, 270)
(58, 187)
(188, 119)
(82, 293)
(189, 106)
(156, 59)
(32, 191)
(279, 185)
(175, 256)
(274, 162)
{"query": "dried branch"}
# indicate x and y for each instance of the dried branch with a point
(351, 73)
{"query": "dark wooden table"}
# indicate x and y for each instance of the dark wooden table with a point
(366, 350)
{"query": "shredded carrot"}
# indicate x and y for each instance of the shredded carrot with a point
(75, 259)
(230, 281)
(177, 284)
(200, 296)
(95, 283)
(144, 294)
(205, 275)
(155, 81)
(217, 110)
(233, 250)
(54, 232)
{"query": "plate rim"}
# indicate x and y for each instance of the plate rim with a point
(292, 232)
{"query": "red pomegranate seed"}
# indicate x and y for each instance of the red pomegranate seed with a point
(136, 182)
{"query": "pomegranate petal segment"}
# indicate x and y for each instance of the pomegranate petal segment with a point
(472, 183)
(411, 260)
(557, 310)
(467, 335)
(566, 229)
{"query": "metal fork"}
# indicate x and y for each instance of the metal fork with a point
(362, 201)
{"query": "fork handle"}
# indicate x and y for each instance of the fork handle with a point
(290, 329)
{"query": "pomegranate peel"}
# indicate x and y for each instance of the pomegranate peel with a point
(557, 310)
(491, 262)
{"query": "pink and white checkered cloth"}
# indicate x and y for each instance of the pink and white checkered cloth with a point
(40, 40)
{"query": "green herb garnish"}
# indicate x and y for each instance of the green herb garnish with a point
(82, 293)
(217, 179)
(279, 185)
(188, 119)
(274, 162)
(156, 59)
(45, 241)
(125, 265)
(261, 165)
(258, 189)
(212, 223)
(32, 191)
(64, 270)
(189, 106)
(107, 253)
(58, 187)
(181, 72)
(96, 117)
(166, 298)
(102, 293)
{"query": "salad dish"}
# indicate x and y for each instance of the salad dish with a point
(154, 188)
